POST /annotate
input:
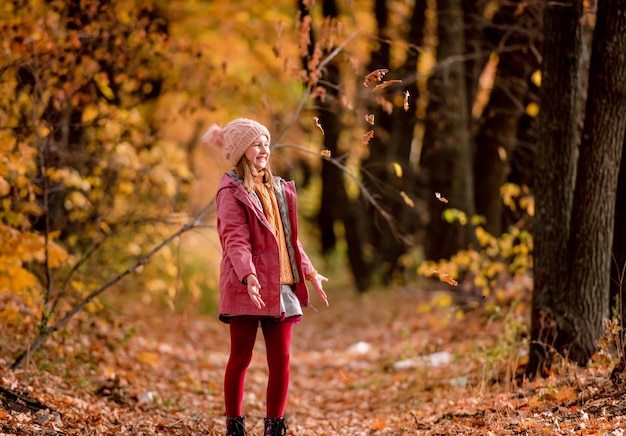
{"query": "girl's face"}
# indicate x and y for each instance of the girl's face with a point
(259, 152)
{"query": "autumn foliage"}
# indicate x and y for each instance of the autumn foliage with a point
(103, 187)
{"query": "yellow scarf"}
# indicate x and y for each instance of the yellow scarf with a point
(270, 207)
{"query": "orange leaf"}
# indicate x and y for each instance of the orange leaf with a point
(317, 123)
(406, 101)
(370, 119)
(375, 76)
(449, 280)
(345, 378)
(385, 84)
(366, 138)
(440, 198)
(325, 153)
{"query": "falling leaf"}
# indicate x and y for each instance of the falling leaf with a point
(370, 119)
(440, 198)
(366, 138)
(385, 84)
(407, 199)
(406, 101)
(325, 153)
(397, 169)
(375, 76)
(444, 277)
(345, 378)
(449, 280)
(317, 123)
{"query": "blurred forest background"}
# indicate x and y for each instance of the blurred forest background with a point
(435, 144)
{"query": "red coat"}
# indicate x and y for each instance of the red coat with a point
(249, 246)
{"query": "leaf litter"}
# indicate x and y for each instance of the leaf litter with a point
(368, 365)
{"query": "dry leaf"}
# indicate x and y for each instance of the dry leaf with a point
(151, 359)
(449, 280)
(366, 138)
(444, 277)
(375, 76)
(345, 378)
(370, 119)
(406, 101)
(407, 199)
(319, 91)
(317, 123)
(397, 169)
(440, 198)
(385, 84)
(325, 153)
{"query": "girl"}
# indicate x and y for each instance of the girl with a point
(263, 267)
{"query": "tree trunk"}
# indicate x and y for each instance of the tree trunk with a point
(578, 305)
(584, 299)
(447, 153)
(512, 35)
(554, 170)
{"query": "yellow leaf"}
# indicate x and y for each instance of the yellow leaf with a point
(43, 131)
(397, 168)
(102, 80)
(532, 109)
(10, 314)
(89, 114)
(5, 187)
(151, 359)
(407, 199)
(536, 78)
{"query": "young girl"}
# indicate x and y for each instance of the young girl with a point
(263, 267)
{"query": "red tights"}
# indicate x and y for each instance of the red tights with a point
(277, 337)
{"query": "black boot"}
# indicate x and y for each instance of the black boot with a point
(235, 426)
(275, 427)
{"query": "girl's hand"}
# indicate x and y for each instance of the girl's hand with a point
(317, 285)
(254, 290)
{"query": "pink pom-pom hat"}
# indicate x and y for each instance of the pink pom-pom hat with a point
(235, 138)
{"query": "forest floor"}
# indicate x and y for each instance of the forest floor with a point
(384, 363)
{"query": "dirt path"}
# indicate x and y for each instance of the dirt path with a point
(380, 364)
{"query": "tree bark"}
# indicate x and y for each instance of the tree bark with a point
(554, 170)
(585, 294)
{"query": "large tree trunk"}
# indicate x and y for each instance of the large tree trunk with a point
(512, 36)
(554, 170)
(579, 305)
(447, 152)
(584, 297)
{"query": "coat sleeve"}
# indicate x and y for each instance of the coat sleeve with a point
(307, 265)
(234, 232)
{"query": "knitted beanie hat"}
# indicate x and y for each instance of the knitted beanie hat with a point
(235, 138)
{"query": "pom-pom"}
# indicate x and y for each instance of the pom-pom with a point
(214, 136)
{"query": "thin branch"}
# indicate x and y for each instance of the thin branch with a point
(81, 305)
(364, 191)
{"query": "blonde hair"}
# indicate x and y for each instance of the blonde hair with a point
(248, 172)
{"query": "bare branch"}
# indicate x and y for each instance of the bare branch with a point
(43, 335)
